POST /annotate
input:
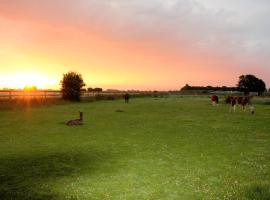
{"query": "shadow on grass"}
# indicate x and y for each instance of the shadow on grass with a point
(258, 193)
(120, 111)
(32, 178)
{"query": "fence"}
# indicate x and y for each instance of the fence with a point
(20, 94)
(49, 94)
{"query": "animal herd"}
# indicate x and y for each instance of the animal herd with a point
(233, 101)
(243, 101)
(79, 121)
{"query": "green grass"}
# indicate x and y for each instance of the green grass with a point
(163, 148)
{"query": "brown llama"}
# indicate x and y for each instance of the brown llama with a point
(126, 97)
(243, 101)
(214, 100)
(233, 102)
(75, 122)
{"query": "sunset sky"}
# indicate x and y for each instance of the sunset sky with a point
(136, 44)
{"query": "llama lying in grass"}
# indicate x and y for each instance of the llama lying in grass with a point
(76, 121)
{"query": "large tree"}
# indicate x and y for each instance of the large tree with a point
(72, 84)
(250, 83)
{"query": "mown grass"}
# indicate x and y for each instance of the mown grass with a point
(152, 148)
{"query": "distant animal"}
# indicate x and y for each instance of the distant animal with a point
(243, 101)
(233, 102)
(246, 101)
(214, 100)
(126, 97)
(75, 122)
(228, 99)
(252, 109)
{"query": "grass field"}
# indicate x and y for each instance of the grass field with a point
(152, 148)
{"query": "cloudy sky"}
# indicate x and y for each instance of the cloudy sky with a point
(140, 44)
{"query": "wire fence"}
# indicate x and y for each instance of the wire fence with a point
(20, 94)
(56, 94)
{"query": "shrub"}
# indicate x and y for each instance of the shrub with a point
(72, 84)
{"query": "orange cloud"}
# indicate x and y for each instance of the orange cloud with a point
(128, 45)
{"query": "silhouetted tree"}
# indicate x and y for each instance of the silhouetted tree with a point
(90, 89)
(250, 83)
(98, 89)
(207, 88)
(94, 89)
(72, 84)
(186, 87)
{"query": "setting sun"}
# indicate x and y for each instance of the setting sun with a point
(21, 80)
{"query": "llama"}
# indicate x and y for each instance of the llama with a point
(243, 101)
(252, 109)
(214, 100)
(76, 121)
(126, 96)
(232, 101)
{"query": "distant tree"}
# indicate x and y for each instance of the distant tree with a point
(98, 89)
(207, 88)
(250, 83)
(261, 87)
(71, 86)
(90, 89)
(94, 89)
(186, 87)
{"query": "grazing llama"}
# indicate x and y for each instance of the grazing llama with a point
(76, 121)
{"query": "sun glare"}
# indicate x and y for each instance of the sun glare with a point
(28, 79)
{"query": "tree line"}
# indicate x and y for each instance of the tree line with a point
(246, 83)
(72, 86)
(208, 88)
